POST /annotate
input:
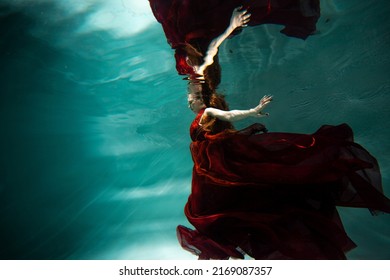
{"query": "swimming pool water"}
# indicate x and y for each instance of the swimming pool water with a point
(94, 122)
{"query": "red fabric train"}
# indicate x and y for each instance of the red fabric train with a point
(274, 195)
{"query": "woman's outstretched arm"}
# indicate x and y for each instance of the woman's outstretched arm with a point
(238, 19)
(236, 115)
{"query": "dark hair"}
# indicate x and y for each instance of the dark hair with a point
(212, 79)
(215, 100)
(212, 73)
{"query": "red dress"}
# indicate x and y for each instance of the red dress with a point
(274, 195)
(198, 22)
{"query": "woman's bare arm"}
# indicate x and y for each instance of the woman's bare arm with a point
(236, 115)
(239, 18)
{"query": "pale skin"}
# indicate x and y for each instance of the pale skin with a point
(196, 104)
(238, 19)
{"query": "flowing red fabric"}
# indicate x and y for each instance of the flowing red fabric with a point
(199, 21)
(274, 195)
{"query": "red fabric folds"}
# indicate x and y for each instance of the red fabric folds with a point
(198, 21)
(274, 195)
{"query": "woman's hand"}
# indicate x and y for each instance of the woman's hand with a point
(263, 103)
(236, 115)
(239, 18)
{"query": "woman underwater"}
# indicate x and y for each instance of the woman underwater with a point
(272, 195)
(267, 195)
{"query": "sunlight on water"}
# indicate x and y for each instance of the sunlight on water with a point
(95, 159)
(121, 18)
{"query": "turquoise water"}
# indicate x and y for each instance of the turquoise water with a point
(94, 122)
